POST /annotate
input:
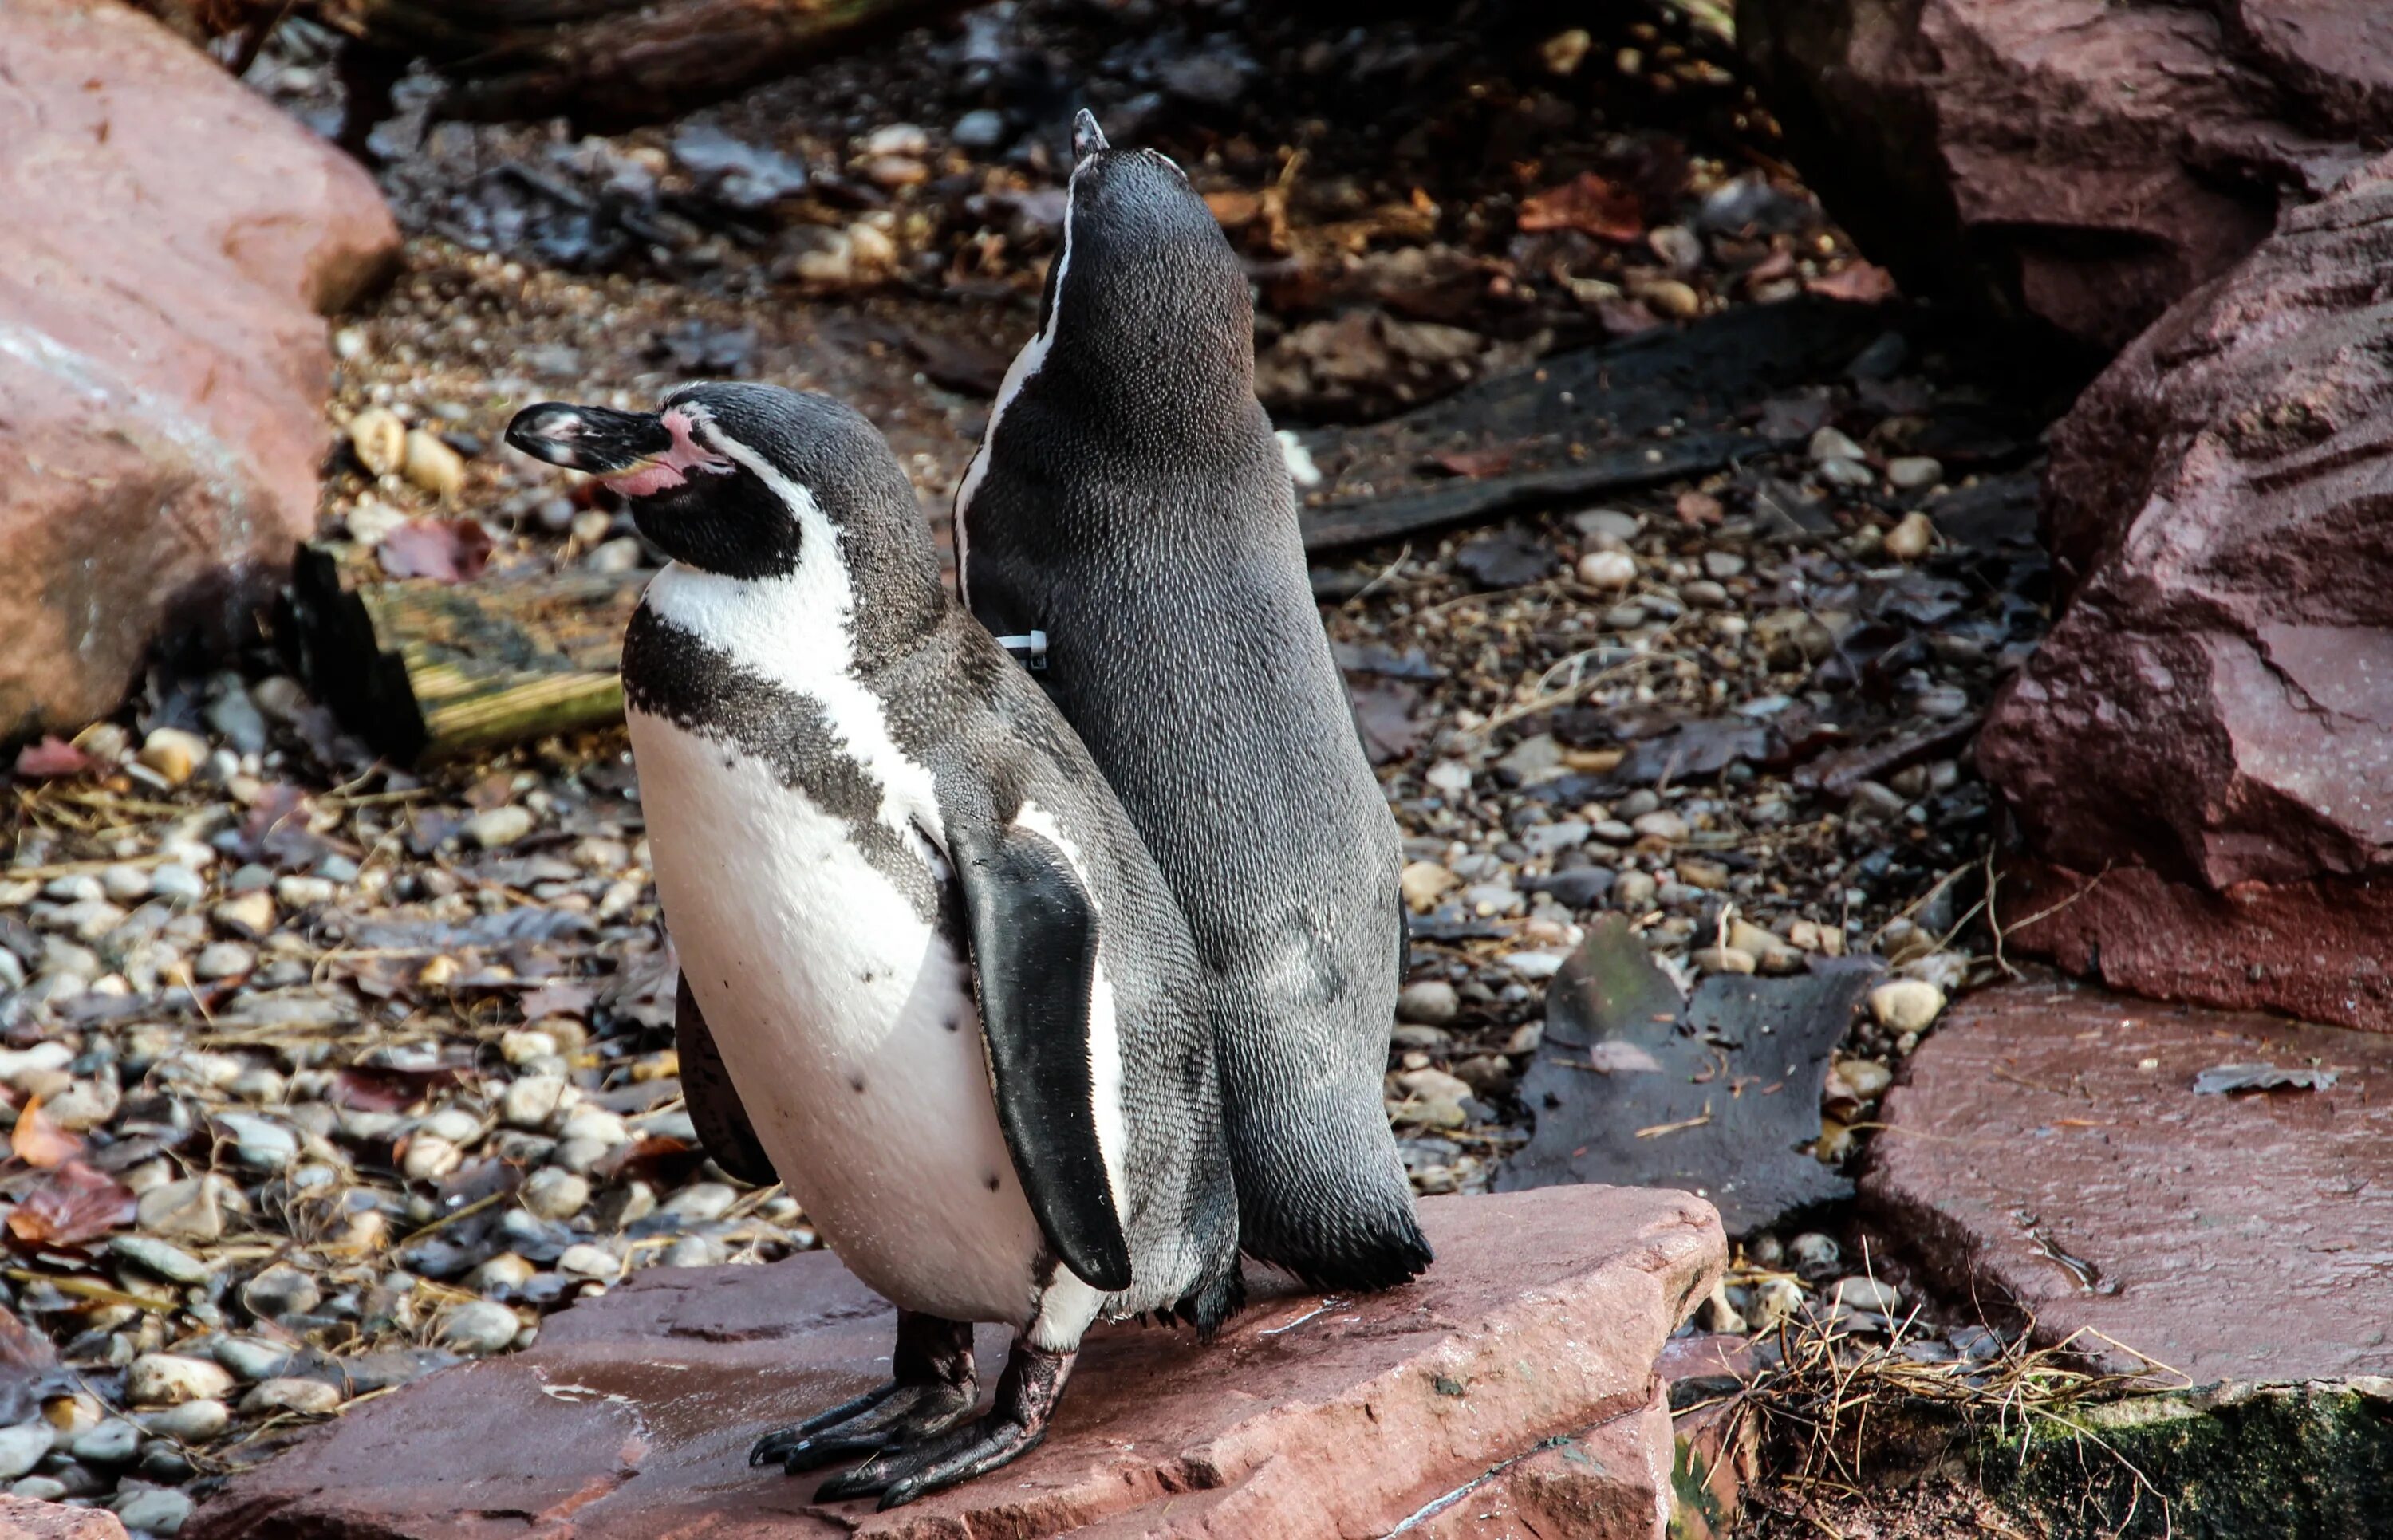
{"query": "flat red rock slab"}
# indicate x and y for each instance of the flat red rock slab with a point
(2228, 1237)
(26, 1518)
(1307, 1416)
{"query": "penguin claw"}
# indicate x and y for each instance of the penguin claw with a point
(1026, 1397)
(993, 1442)
(870, 1424)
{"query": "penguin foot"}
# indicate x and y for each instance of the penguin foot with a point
(934, 1385)
(1026, 1398)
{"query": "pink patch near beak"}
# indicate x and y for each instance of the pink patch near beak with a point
(667, 469)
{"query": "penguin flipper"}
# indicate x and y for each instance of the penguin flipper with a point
(1034, 941)
(712, 1100)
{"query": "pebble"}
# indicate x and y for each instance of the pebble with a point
(1661, 824)
(701, 1202)
(555, 1193)
(114, 1441)
(624, 554)
(534, 1101)
(155, 1510)
(191, 1210)
(259, 1140)
(1830, 443)
(312, 1396)
(279, 1291)
(1913, 473)
(125, 885)
(433, 465)
(235, 716)
(1634, 892)
(1868, 1294)
(380, 440)
(22, 1447)
(585, 1260)
(1811, 1251)
(499, 826)
(42, 1489)
(249, 916)
(84, 1105)
(1867, 1078)
(165, 1380)
(1913, 537)
(1906, 1005)
(371, 521)
(252, 1358)
(1607, 569)
(1723, 960)
(1847, 473)
(1774, 1299)
(192, 1422)
(429, 1157)
(223, 960)
(479, 1327)
(983, 128)
(1607, 524)
(174, 753)
(170, 1262)
(179, 882)
(1430, 1002)
(897, 139)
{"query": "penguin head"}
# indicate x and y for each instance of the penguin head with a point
(1146, 301)
(752, 482)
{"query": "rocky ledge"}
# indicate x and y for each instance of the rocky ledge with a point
(1518, 1374)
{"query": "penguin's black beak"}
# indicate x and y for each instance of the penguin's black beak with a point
(598, 439)
(1087, 137)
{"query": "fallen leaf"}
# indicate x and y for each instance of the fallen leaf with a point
(2225, 1079)
(1589, 204)
(51, 759)
(72, 1206)
(1383, 712)
(442, 549)
(557, 999)
(39, 1142)
(1473, 462)
(1615, 1057)
(1863, 282)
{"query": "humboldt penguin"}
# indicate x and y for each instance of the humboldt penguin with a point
(1130, 514)
(956, 999)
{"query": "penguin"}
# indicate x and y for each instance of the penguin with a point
(956, 1002)
(1129, 518)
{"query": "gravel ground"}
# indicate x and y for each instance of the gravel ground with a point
(322, 1074)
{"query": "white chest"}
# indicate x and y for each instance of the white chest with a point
(847, 1024)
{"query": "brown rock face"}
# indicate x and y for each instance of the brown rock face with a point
(2213, 706)
(2074, 163)
(2036, 1159)
(1307, 1416)
(24, 1518)
(172, 242)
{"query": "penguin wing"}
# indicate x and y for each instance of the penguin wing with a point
(1034, 941)
(712, 1100)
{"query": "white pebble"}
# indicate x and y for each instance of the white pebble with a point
(165, 1379)
(1607, 569)
(1906, 1005)
(585, 1260)
(498, 827)
(479, 1327)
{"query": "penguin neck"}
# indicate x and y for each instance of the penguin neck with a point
(800, 629)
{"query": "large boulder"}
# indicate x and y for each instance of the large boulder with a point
(2076, 164)
(1538, 1329)
(2199, 757)
(172, 245)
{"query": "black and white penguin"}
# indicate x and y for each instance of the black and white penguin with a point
(1129, 509)
(954, 994)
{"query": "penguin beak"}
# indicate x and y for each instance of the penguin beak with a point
(1087, 137)
(597, 439)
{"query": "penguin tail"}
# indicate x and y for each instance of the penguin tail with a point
(1366, 1253)
(1212, 1303)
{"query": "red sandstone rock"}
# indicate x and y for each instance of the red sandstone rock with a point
(2231, 1237)
(23, 1519)
(1306, 1417)
(172, 243)
(2213, 706)
(2079, 163)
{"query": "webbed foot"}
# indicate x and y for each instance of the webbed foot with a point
(933, 1386)
(1026, 1397)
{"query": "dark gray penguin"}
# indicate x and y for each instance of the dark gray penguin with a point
(956, 1000)
(1129, 512)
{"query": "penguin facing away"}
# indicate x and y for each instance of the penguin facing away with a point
(958, 1004)
(1129, 500)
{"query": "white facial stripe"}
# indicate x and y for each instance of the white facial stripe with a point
(1017, 375)
(1104, 1033)
(795, 631)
